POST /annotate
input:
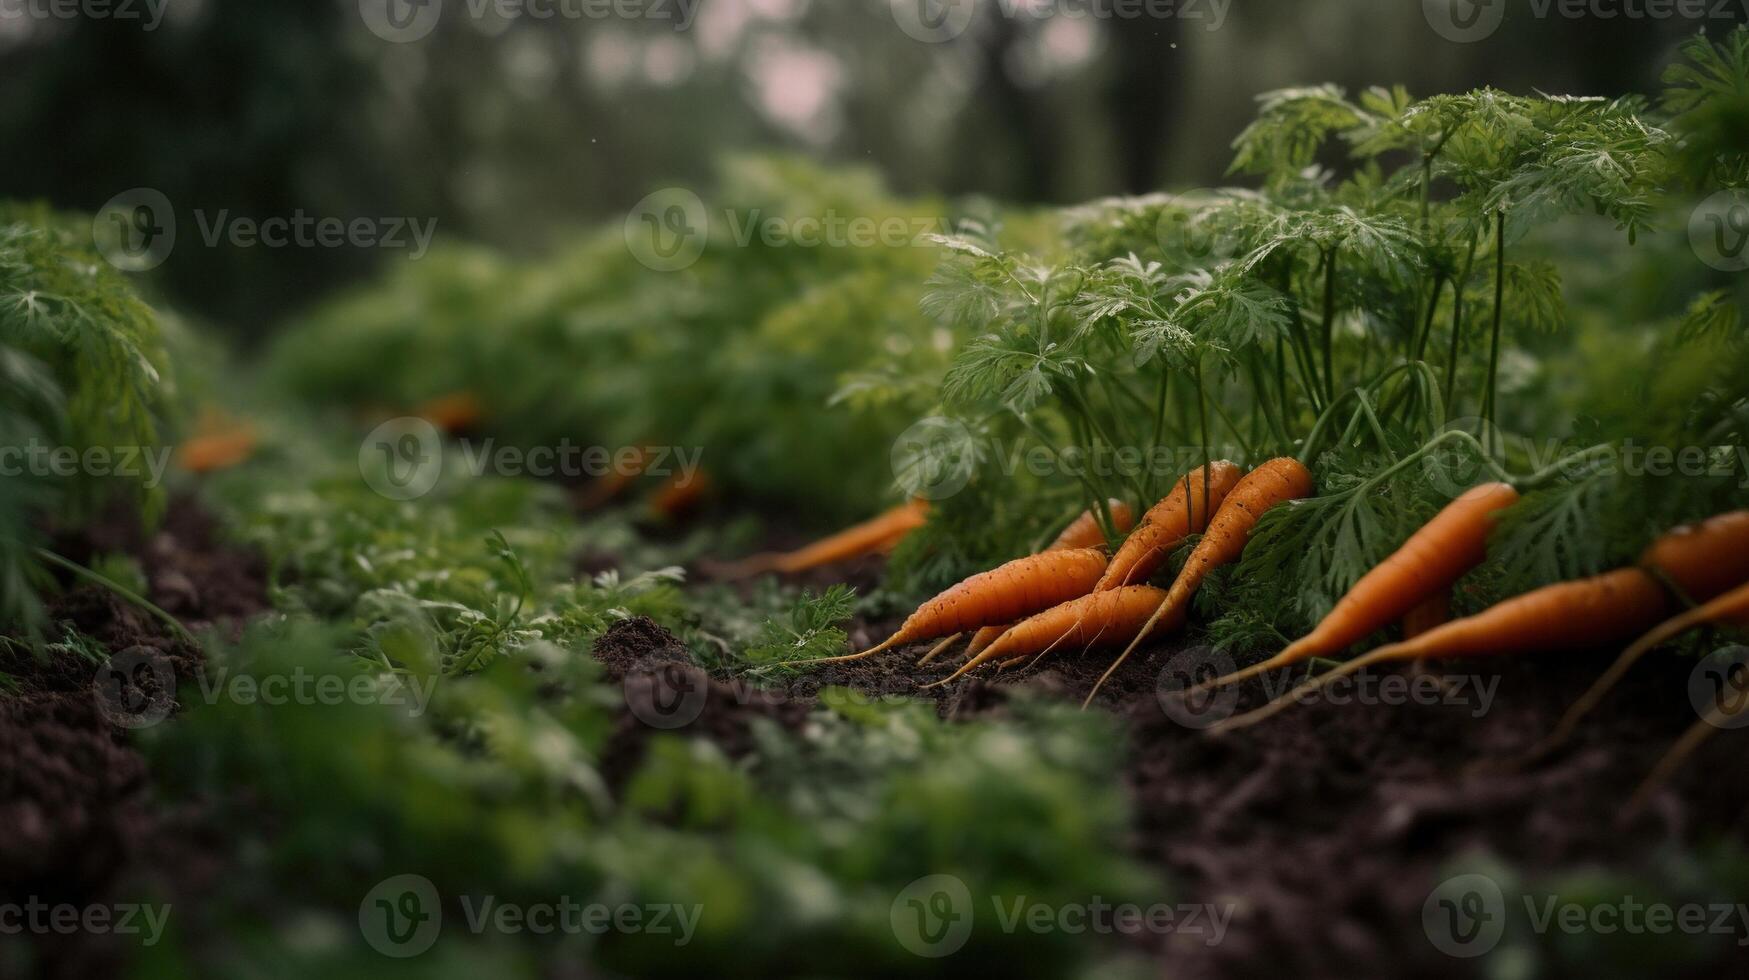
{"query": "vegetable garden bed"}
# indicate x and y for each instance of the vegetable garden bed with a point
(366, 668)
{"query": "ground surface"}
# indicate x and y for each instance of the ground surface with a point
(1324, 829)
(81, 823)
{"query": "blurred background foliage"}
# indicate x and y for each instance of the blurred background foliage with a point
(512, 132)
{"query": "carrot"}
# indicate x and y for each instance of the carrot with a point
(984, 637)
(1446, 547)
(1182, 512)
(217, 451)
(1705, 559)
(614, 483)
(679, 494)
(1097, 619)
(1433, 613)
(1576, 615)
(1275, 482)
(454, 412)
(854, 542)
(219, 442)
(1730, 609)
(1020, 588)
(1082, 532)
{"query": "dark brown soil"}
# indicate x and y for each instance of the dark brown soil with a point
(665, 690)
(193, 574)
(1326, 828)
(81, 825)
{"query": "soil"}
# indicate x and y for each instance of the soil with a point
(1324, 829)
(82, 826)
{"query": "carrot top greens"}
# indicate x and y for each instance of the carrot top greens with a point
(1406, 268)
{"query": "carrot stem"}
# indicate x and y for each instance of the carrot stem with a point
(1499, 311)
(1457, 321)
(1329, 323)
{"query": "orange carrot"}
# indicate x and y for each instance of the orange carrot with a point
(1705, 559)
(1020, 588)
(1275, 482)
(1100, 619)
(1577, 615)
(1432, 613)
(982, 639)
(1182, 512)
(1085, 532)
(854, 542)
(221, 447)
(1730, 609)
(1082, 532)
(679, 494)
(614, 483)
(455, 412)
(1452, 543)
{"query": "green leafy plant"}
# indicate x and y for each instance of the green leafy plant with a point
(82, 365)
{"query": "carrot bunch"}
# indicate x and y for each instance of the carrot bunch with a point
(1082, 532)
(1698, 561)
(1071, 595)
(1275, 482)
(1002, 595)
(1109, 615)
(1422, 570)
(1701, 560)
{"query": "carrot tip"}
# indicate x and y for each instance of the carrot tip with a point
(939, 648)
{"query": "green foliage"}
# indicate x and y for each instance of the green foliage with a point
(1708, 98)
(82, 365)
(810, 630)
(489, 784)
(740, 353)
(1344, 316)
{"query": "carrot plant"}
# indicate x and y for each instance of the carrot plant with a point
(738, 353)
(1386, 285)
(82, 365)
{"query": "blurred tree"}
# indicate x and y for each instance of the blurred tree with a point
(514, 130)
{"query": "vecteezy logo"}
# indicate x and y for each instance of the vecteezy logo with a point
(1465, 916)
(135, 230)
(1718, 231)
(1464, 21)
(402, 458)
(933, 21)
(1718, 687)
(669, 697)
(935, 458)
(932, 916)
(136, 688)
(400, 21)
(401, 916)
(668, 230)
(1176, 688)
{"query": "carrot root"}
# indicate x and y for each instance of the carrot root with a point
(1690, 742)
(1280, 704)
(939, 648)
